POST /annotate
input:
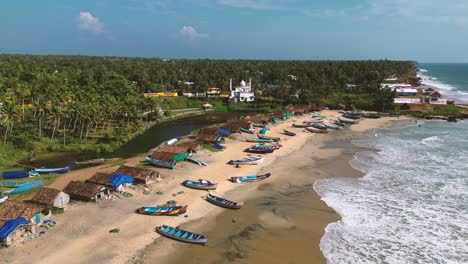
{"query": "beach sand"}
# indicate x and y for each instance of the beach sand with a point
(82, 232)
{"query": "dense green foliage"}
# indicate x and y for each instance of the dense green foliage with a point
(74, 100)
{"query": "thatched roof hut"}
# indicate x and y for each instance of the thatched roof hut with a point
(49, 198)
(235, 125)
(141, 175)
(11, 210)
(209, 131)
(190, 145)
(86, 191)
(165, 156)
(101, 178)
(173, 149)
(207, 138)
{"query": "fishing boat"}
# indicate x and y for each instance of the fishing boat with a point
(27, 186)
(263, 145)
(10, 184)
(371, 115)
(3, 199)
(161, 163)
(318, 126)
(301, 126)
(173, 141)
(264, 130)
(52, 170)
(275, 139)
(318, 116)
(247, 161)
(260, 150)
(316, 130)
(338, 122)
(202, 184)
(348, 121)
(97, 161)
(352, 115)
(223, 202)
(199, 162)
(163, 210)
(260, 140)
(249, 131)
(18, 174)
(253, 178)
(258, 125)
(181, 235)
(332, 126)
(288, 133)
(313, 121)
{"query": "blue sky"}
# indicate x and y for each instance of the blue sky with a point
(422, 30)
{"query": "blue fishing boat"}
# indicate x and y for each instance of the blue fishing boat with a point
(10, 184)
(253, 178)
(202, 184)
(27, 186)
(52, 170)
(247, 161)
(223, 202)
(163, 210)
(260, 140)
(264, 130)
(288, 133)
(181, 235)
(18, 174)
(275, 139)
(249, 131)
(161, 163)
(260, 150)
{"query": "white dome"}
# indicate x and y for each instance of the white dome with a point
(243, 83)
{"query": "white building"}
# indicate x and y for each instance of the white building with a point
(242, 93)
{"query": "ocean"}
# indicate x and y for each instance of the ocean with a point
(450, 79)
(411, 206)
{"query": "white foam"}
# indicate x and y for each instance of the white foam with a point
(448, 90)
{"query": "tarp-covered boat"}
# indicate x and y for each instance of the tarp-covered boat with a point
(52, 170)
(163, 210)
(288, 133)
(223, 202)
(202, 184)
(181, 235)
(18, 174)
(253, 178)
(247, 161)
(161, 163)
(27, 186)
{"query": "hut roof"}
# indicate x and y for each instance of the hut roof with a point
(257, 118)
(45, 196)
(209, 131)
(166, 156)
(135, 172)
(207, 138)
(235, 125)
(173, 149)
(100, 178)
(11, 210)
(83, 189)
(190, 145)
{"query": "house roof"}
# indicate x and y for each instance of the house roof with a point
(100, 178)
(83, 189)
(190, 145)
(257, 118)
(173, 149)
(45, 196)
(135, 172)
(11, 210)
(165, 156)
(235, 125)
(207, 138)
(209, 131)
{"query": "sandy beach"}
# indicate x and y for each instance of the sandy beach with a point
(82, 232)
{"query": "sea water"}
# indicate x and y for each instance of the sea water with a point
(412, 204)
(450, 79)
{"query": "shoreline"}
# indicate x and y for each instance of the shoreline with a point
(76, 232)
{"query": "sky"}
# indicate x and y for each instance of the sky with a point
(420, 30)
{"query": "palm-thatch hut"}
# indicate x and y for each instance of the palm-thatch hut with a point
(140, 175)
(207, 138)
(50, 198)
(86, 191)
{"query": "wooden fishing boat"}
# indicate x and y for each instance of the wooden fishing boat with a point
(10, 184)
(97, 161)
(348, 121)
(173, 141)
(313, 121)
(260, 140)
(52, 170)
(318, 116)
(247, 161)
(260, 150)
(263, 145)
(288, 133)
(201, 184)
(18, 174)
(223, 202)
(27, 186)
(338, 122)
(301, 126)
(275, 139)
(181, 235)
(196, 161)
(253, 178)
(249, 131)
(163, 210)
(316, 130)
(258, 125)
(318, 126)
(3, 199)
(332, 126)
(161, 163)
(264, 130)
(352, 115)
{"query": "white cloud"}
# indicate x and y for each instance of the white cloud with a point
(191, 33)
(88, 22)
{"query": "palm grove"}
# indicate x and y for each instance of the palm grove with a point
(68, 101)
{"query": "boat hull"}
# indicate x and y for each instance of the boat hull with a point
(161, 163)
(172, 232)
(162, 210)
(254, 178)
(199, 186)
(53, 170)
(223, 202)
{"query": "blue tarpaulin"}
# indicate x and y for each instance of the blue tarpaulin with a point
(119, 179)
(10, 226)
(218, 146)
(15, 174)
(224, 132)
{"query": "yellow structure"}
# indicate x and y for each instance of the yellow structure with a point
(161, 94)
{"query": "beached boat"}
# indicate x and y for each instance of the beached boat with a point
(264, 130)
(10, 184)
(199, 162)
(348, 121)
(337, 122)
(318, 116)
(288, 133)
(316, 130)
(332, 126)
(249, 131)
(173, 141)
(260, 140)
(97, 161)
(313, 121)
(8, 175)
(181, 235)
(253, 178)
(258, 125)
(161, 163)
(27, 186)
(223, 202)
(318, 126)
(3, 199)
(247, 161)
(275, 139)
(301, 126)
(52, 170)
(263, 145)
(371, 115)
(260, 150)
(163, 210)
(202, 184)
(352, 115)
